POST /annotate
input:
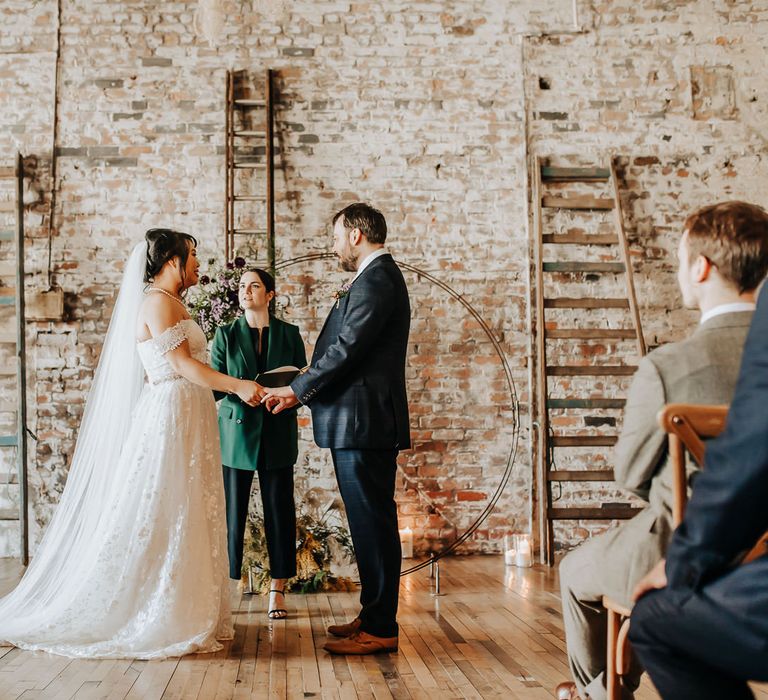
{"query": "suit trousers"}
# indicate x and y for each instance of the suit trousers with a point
(609, 564)
(694, 645)
(276, 486)
(367, 484)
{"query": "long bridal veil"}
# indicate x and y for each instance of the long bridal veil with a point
(61, 560)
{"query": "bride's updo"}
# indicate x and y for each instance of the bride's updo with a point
(164, 244)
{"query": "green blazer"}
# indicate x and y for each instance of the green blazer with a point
(246, 430)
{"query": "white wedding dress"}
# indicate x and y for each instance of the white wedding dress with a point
(145, 575)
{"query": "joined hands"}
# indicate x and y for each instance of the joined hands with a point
(250, 392)
(279, 399)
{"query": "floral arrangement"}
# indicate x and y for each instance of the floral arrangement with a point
(215, 301)
(322, 543)
(341, 292)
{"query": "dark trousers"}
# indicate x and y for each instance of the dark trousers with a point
(276, 486)
(367, 484)
(694, 647)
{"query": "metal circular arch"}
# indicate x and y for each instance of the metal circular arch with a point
(510, 383)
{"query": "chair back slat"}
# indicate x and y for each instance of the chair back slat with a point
(688, 425)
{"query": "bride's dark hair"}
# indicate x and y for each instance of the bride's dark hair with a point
(164, 244)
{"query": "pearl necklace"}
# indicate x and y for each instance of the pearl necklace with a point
(168, 294)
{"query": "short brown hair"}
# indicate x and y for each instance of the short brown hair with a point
(370, 221)
(733, 236)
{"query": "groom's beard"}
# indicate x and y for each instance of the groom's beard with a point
(348, 261)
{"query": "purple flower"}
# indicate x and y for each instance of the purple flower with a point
(205, 279)
(239, 262)
(230, 266)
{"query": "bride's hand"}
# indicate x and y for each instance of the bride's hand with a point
(250, 392)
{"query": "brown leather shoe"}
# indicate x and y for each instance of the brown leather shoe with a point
(346, 629)
(361, 643)
(567, 690)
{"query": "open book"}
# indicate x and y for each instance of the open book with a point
(280, 376)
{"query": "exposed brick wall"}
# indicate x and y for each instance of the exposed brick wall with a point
(427, 110)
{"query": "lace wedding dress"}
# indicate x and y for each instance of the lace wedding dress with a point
(135, 565)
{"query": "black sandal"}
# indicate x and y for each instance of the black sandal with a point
(277, 613)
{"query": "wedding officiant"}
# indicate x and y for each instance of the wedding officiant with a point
(254, 440)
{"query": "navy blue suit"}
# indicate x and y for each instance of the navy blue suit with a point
(355, 388)
(706, 633)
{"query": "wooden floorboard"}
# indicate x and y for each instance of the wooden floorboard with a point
(495, 633)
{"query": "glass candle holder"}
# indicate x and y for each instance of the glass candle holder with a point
(406, 542)
(510, 549)
(523, 551)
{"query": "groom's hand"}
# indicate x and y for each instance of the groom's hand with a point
(280, 399)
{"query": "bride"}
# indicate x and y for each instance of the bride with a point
(134, 561)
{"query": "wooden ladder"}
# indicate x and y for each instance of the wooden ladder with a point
(13, 414)
(250, 153)
(550, 249)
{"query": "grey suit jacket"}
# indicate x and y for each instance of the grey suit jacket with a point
(702, 369)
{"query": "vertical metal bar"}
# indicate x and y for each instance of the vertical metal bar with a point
(542, 416)
(269, 132)
(229, 204)
(226, 170)
(437, 592)
(535, 516)
(21, 374)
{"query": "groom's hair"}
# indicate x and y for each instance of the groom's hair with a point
(370, 221)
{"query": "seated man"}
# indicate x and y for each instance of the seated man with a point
(722, 258)
(705, 633)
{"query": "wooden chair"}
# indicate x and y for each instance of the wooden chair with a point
(687, 426)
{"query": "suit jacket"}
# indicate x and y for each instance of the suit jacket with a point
(246, 430)
(355, 385)
(727, 511)
(701, 369)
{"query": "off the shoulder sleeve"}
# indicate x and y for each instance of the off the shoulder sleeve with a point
(170, 338)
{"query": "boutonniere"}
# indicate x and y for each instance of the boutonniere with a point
(341, 292)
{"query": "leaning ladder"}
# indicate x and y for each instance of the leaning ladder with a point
(552, 439)
(246, 138)
(17, 370)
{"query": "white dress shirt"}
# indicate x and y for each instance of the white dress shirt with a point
(368, 260)
(727, 309)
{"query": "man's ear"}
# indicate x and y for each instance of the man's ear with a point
(701, 269)
(355, 236)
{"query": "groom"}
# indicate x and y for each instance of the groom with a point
(355, 388)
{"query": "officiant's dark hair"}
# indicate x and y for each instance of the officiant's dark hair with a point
(370, 221)
(266, 279)
(164, 244)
